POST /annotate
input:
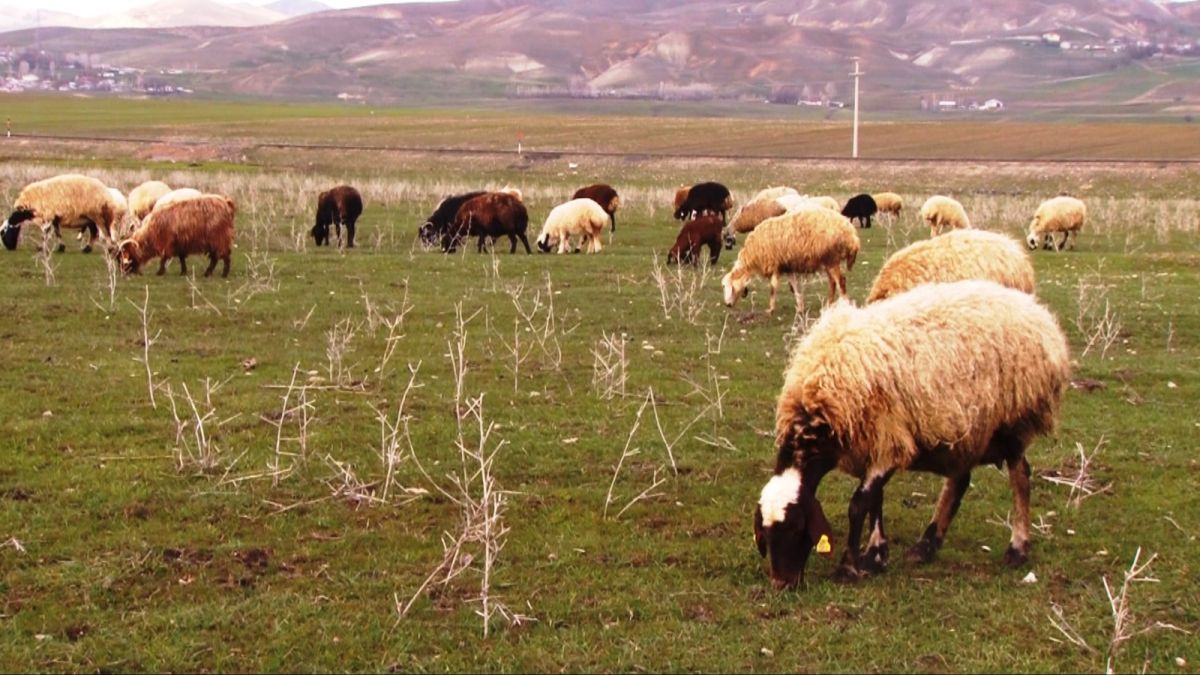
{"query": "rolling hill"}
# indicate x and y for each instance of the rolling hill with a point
(912, 50)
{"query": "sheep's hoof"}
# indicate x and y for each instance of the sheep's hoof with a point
(921, 552)
(847, 574)
(60, 248)
(86, 249)
(874, 561)
(1014, 557)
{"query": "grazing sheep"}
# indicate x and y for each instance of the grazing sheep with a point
(696, 233)
(705, 198)
(489, 216)
(806, 241)
(881, 389)
(827, 202)
(860, 208)
(1060, 214)
(443, 216)
(944, 213)
(143, 198)
(955, 256)
(337, 206)
(889, 202)
(583, 217)
(680, 197)
(69, 200)
(201, 225)
(605, 196)
(752, 213)
(120, 214)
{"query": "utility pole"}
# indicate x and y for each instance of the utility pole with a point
(857, 74)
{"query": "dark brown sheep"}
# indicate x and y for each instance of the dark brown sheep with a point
(697, 233)
(704, 198)
(202, 225)
(340, 205)
(605, 196)
(489, 215)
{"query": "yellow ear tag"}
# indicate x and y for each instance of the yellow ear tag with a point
(823, 545)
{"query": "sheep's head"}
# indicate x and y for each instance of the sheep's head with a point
(729, 238)
(546, 242)
(11, 230)
(128, 256)
(788, 524)
(320, 233)
(736, 284)
(428, 234)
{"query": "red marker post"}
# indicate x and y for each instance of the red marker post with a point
(520, 138)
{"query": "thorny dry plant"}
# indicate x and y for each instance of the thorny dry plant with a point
(298, 407)
(338, 346)
(195, 443)
(1095, 318)
(609, 365)
(147, 342)
(682, 292)
(1079, 478)
(46, 262)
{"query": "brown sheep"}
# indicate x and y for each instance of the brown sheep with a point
(696, 233)
(490, 215)
(605, 196)
(337, 206)
(202, 225)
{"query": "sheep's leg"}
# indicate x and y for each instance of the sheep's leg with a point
(774, 292)
(225, 272)
(833, 273)
(948, 503)
(528, 251)
(182, 265)
(863, 503)
(874, 560)
(212, 264)
(1018, 547)
(512, 239)
(797, 291)
(350, 234)
(162, 265)
(92, 233)
(58, 237)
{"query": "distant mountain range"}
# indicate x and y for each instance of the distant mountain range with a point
(1085, 52)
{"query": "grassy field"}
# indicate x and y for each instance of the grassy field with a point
(253, 533)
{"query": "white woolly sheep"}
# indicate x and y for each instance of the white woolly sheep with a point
(955, 256)
(889, 202)
(69, 200)
(120, 209)
(1060, 214)
(583, 217)
(806, 241)
(200, 225)
(944, 213)
(881, 389)
(176, 195)
(143, 197)
(774, 193)
(826, 202)
(751, 214)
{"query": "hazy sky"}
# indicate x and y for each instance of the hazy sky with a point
(93, 8)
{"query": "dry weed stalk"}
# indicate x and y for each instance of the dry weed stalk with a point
(260, 273)
(518, 353)
(1095, 319)
(681, 291)
(609, 365)
(1122, 615)
(1079, 478)
(545, 330)
(303, 410)
(112, 274)
(200, 451)
(345, 484)
(338, 345)
(44, 257)
(195, 292)
(147, 342)
(395, 441)
(482, 532)
(395, 328)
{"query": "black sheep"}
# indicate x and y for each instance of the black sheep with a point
(340, 206)
(488, 216)
(860, 208)
(443, 216)
(705, 198)
(695, 234)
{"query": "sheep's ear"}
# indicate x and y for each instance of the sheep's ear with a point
(760, 534)
(817, 525)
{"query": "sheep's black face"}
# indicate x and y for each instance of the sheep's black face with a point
(428, 234)
(11, 230)
(320, 234)
(788, 524)
(730, 240)
(543, 244)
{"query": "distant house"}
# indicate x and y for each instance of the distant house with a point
(992, 104)
(1051, 38)
(947, 104)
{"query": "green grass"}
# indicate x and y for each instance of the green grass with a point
(133, 564)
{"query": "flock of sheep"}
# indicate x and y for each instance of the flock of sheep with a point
(951, 364)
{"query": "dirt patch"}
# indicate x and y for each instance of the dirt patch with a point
(190, 154)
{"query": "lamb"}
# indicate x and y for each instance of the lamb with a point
(705, 197)
(880, 389)
(143, 197)
(337, 206)
(806, 241)
(192, 226)
(68, 200)
(944, 213)
(583, 217)
(955, 256)
(443, 215)
(889, 202)
(696, 233)
(1061, 214)
(860, 208)
(605, 196)
(489, 216)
